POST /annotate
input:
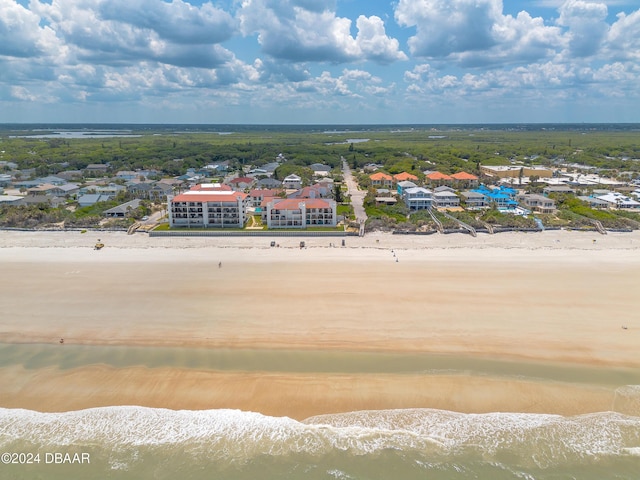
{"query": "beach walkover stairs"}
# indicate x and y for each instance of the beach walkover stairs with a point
(466, 226)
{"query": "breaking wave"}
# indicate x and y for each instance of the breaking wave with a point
(236, 437)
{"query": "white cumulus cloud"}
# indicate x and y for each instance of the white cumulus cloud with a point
(304, 31)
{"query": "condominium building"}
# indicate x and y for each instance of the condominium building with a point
(208, 208)
(300, 213)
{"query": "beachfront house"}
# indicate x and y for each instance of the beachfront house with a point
(620, 201)
(301, 213)
(123, 210)
(208, 208)
(474, 200)
(537, 203)
(594, 202)
(417, 198)
(445, 199)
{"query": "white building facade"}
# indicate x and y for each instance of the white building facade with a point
(301, 213)
(208, 209)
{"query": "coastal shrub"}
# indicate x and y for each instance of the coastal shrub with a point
(421, 218)
(468, 218)
(30, 216)
(607, 218)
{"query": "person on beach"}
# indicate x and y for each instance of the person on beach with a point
(220, 265)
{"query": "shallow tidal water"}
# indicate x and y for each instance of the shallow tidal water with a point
(130, 442)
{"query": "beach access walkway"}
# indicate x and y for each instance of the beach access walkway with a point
(357, 195)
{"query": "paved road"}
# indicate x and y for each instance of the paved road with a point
(357, 196)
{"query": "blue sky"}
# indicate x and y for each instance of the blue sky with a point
(320, 61)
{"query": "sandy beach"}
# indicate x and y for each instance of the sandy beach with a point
(554, 298)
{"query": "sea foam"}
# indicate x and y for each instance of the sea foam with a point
(236, 436)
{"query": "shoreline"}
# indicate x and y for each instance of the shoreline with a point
(550, 298)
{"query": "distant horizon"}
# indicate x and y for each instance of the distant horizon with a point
(249, 124)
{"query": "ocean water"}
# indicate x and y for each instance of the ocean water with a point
(140, 443)
(132, 442)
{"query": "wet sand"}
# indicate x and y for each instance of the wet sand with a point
(551, 297)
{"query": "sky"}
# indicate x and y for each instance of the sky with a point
(320, 61)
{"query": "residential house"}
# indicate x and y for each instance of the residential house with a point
(313, 191)
(386, 200)
(5, 180)
(127, 175)
(445, 199)
(464, 180)
(70, 175)
(65, 190)
(292, 181)
(474, 200)
(96, 169)
(43, 189)
(417, 198)
(320, 170)
(502, 198)
(159, 192)
(269, 183)
(89, 199)
(241, 183)
(594, 202)
(51, 200)
(438, 178)
(123, 210)
(537, 203)
(301, 213)
(10, 199)
(558, 189)
(138, 188)
(372, 167)
(618, 200)
(111, 189)
(208, 208)
(516, 171)
(52, 180)
(404, 184)
(381, 180)
(404, 176)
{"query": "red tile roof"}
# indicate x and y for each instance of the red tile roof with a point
(247, 180)
(438, 176)
(464, 176)
(380, 176)
(404, 176)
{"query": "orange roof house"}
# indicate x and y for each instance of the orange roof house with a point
(464, 176)
(381, 179)
(401, 177)
(438, 176)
